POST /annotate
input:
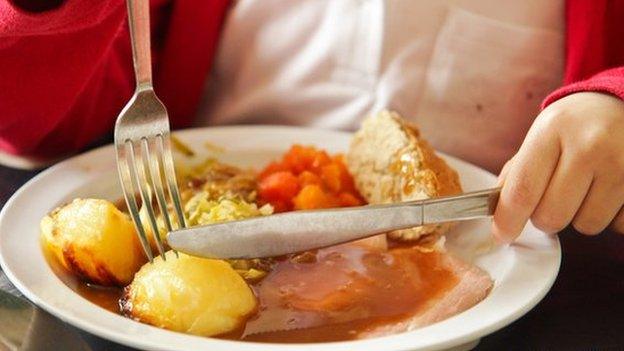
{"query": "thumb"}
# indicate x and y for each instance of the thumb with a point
(503, 173)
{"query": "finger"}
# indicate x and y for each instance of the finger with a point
(524, 184)
(618, 223)
(503, 173)
(602, 203)
(564, 195)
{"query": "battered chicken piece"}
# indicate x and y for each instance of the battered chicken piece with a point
(390, 162)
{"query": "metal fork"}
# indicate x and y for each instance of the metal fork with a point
(142, 140)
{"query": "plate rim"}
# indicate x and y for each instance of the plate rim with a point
(127, 339)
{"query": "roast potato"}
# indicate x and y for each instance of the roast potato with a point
(94, 240)
(189, 294)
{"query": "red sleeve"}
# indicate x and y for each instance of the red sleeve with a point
(610, 81)
(594, 49)
(65, 74)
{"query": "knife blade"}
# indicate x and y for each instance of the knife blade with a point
(298, 231)
(24, 327)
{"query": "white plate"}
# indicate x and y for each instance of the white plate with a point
(523, 272)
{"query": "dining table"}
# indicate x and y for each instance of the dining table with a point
(584, 310)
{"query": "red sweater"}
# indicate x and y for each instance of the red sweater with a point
(66, 72)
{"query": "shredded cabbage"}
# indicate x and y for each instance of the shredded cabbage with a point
(201, 210)
(213, 192)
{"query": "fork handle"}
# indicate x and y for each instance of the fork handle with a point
(139, 23)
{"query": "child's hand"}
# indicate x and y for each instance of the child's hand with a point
(569, 169)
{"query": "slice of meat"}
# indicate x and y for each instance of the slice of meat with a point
(474, 285)
(354, 291)
(391, 162)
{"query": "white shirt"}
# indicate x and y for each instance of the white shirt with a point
(469, 73)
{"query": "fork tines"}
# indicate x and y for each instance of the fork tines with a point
(143, 165)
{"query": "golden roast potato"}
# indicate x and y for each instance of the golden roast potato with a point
(189, 294)
(94, 240)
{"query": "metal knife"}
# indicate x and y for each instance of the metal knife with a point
(298, 231)
(24, 327)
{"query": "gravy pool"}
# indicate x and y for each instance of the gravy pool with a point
(338, 293)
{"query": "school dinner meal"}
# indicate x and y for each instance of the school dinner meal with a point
(377, 286)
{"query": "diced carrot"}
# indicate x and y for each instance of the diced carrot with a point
(281, 206)
(300, 158)
(281, 186)
(273, 167)
(307, 177)
(348, 200)
(338, 158)
(321, 158)
(313, 197)
(346, 180)
(331, 176)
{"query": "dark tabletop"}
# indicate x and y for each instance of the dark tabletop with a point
(583, 311)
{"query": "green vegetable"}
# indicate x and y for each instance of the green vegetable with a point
(200, 210)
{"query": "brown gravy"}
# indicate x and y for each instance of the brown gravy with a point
(343, 292)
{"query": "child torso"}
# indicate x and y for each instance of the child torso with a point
(470, 73)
